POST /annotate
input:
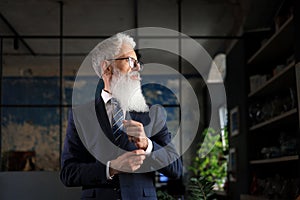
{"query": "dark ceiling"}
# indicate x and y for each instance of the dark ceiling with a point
(85, 23)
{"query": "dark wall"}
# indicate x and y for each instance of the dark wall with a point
(297, 30)
(236, 90)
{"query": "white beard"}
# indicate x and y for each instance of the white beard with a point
(128, 92)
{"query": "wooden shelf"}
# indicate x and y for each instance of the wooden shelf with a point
(251, 197)
(282, 38)
(273, 160)
(287, 76)
(220, 193)
(275, 119)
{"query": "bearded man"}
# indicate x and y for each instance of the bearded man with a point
(136, 142)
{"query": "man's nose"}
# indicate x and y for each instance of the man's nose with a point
(137, 67)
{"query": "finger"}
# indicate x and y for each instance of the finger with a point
(138, 152)
(131, 157)
(142, 158)
(137, 160)
(134, 134)
(140, 139)
(131, 139)
(135, 167)
(134, 129)
(128, 123)
(132, 154)
(133, 163)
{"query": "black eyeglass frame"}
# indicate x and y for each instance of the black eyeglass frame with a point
(130, 60)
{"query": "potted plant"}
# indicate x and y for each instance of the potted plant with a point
(209, 171)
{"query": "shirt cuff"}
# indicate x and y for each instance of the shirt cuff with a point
(149, 148)
(107, 171)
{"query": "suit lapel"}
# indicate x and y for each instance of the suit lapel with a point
(103, 118)
(106, 127)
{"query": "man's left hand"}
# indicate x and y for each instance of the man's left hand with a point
(136, 133)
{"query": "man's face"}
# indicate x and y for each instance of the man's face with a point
(123, 66)
(125, 83)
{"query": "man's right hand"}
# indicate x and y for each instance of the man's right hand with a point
(128, 162)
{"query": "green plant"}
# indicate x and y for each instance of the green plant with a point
(213, 166)
(162, 195)
(200, 188)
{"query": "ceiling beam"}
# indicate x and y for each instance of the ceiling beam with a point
(17, 35)
(229, 37)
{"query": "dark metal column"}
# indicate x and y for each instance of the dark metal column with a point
(136, 21)
(60, 76)
(179, 68)
(1, 67)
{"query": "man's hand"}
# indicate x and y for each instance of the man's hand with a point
(136, 133)
(128, 162)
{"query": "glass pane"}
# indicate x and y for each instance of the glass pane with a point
(30, 90)
(31, 79)
(173, 124)
(30, 135)
(159, 94)
(84, 91)
(173, 119)
(76, 55)
(152, 57)
(65, 116)
(161, 89)
(30, 139)
(78, 48)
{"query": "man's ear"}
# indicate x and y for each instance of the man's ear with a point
(106, 68)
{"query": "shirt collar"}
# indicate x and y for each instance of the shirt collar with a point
(105, 96)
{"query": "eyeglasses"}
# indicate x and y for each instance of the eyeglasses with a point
(132, 62)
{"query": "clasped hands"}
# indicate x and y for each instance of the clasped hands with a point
(131, 161)
(136, 134)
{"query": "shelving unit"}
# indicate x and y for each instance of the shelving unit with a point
(269, 113)
(265, 133)
(270, 49)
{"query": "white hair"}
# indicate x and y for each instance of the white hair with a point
(108, 49)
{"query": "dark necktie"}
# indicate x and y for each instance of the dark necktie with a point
(117, 120)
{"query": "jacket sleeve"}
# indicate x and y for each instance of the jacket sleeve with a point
(78, 166)
(164, 156)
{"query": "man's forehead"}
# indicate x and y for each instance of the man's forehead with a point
(127, 50)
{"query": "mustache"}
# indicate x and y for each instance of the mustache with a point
(129, 77)
(134, 73)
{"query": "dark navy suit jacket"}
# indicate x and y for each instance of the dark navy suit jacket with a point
(85, 154)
